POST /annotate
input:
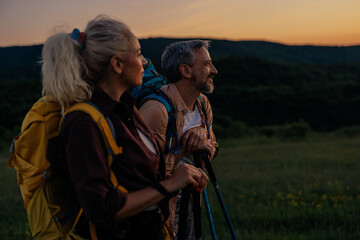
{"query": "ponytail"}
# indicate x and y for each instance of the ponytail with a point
(72, 64)
(63, 71)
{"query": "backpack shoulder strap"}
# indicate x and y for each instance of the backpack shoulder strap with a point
(108, 131)
(160, 96)
(104, 124)
(171, 133)
(109, 134)
(205, 116)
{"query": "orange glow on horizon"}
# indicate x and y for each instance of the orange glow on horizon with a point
(306, 22)
(291, 42)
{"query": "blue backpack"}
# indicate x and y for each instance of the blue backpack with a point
(150, 90)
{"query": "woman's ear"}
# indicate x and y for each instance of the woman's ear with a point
(116, 64)
(185, 70)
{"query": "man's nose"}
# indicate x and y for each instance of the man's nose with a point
(213, 69)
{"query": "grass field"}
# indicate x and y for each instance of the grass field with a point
(13, 221)
(308, 189)
(289, 190)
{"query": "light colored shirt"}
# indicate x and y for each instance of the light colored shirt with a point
(192, 119)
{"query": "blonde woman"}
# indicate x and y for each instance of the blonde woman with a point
(98, 65)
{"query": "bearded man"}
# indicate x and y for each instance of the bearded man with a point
(188, 67)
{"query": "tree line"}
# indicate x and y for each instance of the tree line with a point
(249, 91)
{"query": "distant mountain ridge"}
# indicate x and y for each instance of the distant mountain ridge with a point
(25, 58)
(259, 84)
(265, 50)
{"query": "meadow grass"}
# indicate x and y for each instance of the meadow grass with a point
(308, 189)
(13, 220)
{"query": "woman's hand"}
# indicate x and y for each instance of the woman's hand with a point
(185, 175)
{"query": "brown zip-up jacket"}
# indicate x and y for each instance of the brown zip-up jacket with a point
(156, 116)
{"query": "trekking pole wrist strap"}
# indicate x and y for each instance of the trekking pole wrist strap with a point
(160, 188)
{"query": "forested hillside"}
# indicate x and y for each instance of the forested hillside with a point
(259, 92)
(266, 50)
(259, 84)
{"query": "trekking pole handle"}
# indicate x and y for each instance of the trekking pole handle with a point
(210, 170)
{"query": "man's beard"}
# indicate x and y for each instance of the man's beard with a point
(204, 86)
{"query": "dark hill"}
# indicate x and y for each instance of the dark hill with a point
(153, 47)
(259, 92)
(259, 83)
(22, 61)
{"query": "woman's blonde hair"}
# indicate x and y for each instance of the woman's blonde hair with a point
(69, 74)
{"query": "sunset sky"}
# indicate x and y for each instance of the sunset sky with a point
(294, 22)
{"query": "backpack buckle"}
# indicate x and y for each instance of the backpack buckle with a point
(12, 147)
(176, 150)
(46, 174)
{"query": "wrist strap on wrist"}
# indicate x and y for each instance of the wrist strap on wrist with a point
(160, 188)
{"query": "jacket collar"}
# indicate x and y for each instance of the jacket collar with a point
(173, 93)
(176, 99)
(107, 104)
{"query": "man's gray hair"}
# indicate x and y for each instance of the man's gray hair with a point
(180, 53)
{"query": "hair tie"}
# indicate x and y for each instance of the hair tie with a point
(80, 37)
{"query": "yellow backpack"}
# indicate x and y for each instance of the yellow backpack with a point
(44, 199)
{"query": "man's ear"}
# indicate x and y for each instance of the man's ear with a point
(116, 64)
(185, 70)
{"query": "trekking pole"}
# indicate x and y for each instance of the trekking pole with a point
(197, 214)
(206, 200)
(211, 173)
(208, 212)
(183, 213)
(197, 206)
